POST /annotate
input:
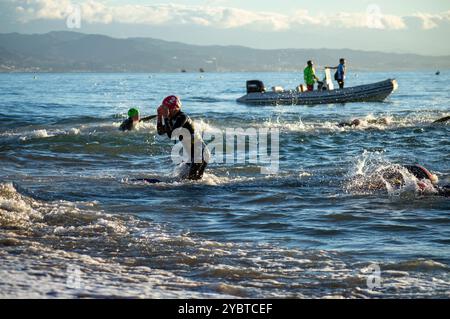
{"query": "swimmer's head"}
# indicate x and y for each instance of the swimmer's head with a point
(356, 122)
(133, 114)
(173, 104)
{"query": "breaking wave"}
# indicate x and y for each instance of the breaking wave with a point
(46, 243)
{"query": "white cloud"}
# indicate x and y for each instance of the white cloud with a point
(431, 21)
(94, 11)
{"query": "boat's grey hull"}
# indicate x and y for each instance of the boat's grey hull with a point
(362, 93)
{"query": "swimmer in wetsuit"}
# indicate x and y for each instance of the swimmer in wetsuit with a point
(357, 122)
(170, 118)
(422, 174)
(393, 175)
(382, 121)
(133, 119)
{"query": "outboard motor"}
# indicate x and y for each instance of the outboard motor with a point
(320, 86)
(255, 86)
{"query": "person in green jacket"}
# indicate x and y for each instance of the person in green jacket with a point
(309, 75)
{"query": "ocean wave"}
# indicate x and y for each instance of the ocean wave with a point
(74, 250)
(98, 129)
(216, 176)
(367, 122)
(422, 265)
(173, 179)
(205, 99)
(89, 240)
(214, 125)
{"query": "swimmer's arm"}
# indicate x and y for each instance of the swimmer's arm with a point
(442, 120)
(148, 118)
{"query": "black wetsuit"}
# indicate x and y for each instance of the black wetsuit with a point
(126, 125)
(345, 124)
(181, 120)
(444, 190)
(442, 120)
(420, 174)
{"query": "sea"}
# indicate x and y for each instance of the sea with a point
(76, 221)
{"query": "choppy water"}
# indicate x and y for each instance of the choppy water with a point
(67, 200)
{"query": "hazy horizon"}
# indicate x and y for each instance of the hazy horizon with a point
(229, 45)
(413, 27)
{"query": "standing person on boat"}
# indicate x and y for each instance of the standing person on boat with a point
(170, 118)
(309, 74)
(339, 76)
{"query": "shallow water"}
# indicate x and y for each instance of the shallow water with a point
(67, 199)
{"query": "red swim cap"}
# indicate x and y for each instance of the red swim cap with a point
(172, 102)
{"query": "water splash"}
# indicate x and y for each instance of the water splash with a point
(372, 172)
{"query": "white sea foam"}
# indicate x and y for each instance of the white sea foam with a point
(122, 256)
(41, 133)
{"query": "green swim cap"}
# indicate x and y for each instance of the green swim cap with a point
(133, 112)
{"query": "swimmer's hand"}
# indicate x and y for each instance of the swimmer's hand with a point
(160, 112)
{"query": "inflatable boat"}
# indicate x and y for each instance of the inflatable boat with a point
(374, 92)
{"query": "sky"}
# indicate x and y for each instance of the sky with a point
(401, 26)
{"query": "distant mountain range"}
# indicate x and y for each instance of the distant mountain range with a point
(77, 52)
